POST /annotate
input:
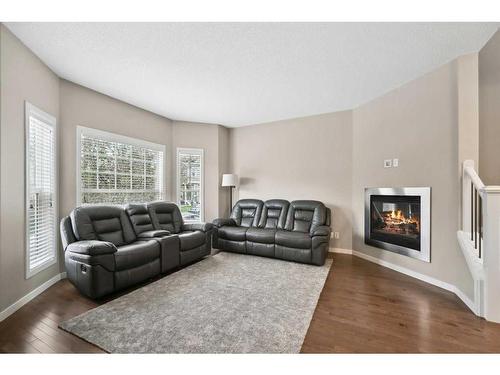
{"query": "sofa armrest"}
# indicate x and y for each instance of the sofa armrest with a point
(224, 222)
(153, 234)
(203, 227)
(91, 247)
(322, 230)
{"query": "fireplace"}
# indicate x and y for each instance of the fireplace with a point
(398, 220)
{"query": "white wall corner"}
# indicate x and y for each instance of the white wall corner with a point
(339, 250)
(31, 295)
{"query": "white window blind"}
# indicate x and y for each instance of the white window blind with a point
(41, 193)
(114, 169)
(190, 183)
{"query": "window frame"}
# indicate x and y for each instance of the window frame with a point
(113, 137)
(197, 151)
(31, 110)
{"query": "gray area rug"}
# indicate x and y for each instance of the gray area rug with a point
(227, 303)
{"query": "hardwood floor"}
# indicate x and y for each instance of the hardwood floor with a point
(367, 308)
(364, 308)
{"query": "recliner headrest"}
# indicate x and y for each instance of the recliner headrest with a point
(103, 223)
(139, 217)
(247, 212)
(166, 216)
(274, 213)
(305, 215)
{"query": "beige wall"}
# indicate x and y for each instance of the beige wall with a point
(417, 123)
(305, 158)
(23, 77)
(489, 111)
(468, 116)
(84, 107)
(206, 137)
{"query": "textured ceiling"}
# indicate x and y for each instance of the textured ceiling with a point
(237, 74)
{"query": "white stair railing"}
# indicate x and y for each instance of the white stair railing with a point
(480, 240)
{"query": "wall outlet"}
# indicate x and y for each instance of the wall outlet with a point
(336, 235)
(395, 163)
(387, 163)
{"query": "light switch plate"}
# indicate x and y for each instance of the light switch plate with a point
(336, 235)
(395, 163)
(387, 163)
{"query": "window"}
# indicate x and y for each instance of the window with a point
(41, 190)
(115, 169)
(190, 183)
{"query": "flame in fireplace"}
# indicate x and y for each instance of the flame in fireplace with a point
(397, 218)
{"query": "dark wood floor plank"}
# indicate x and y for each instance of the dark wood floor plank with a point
(363, 308)
(366, 308)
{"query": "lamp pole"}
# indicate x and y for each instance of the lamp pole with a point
(230, 199)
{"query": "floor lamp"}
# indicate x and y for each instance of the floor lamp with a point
(230, 180)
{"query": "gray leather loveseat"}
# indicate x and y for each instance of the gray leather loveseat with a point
(298, 231)
(108, 248)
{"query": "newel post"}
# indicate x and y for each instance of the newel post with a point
(491, 258)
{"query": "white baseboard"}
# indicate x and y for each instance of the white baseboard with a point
(339, 250)
(468, 302)
(417, 275)
(28, 297)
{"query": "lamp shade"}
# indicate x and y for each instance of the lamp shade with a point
(229, 180)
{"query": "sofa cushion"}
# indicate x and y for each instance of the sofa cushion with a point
(191, 239)
(136, 254)
(297, 240)
(260, 235)
(232, 233)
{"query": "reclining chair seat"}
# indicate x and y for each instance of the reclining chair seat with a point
(194, 239)
(104, 254)
(261, 240)
(261, 235)
(233, 233)
(136, 254)
(296, 240)
(191, 239)
(143, 226)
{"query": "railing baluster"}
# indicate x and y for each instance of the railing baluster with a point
(480, 224)
(475, 218)
(471, 211)
(472, 208)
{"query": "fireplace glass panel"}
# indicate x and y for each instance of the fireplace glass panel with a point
(395, 219)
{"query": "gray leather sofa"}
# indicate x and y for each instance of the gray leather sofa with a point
(109, 248)
(298, 231)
